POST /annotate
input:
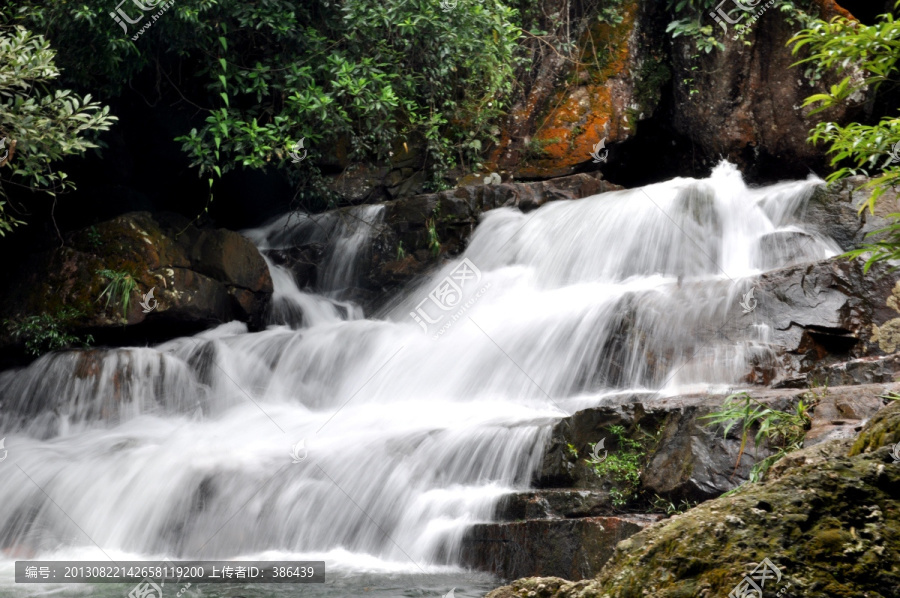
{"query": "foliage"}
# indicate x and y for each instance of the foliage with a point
(781, 431)
(621, 467)
(118, 291)
(611, 12)
(47, 332)
(691, 19)
(884, 249)
(45, 122)
(868, 57)
(669, 508)
(401, 253)
(93, 238)
(359, 76)
(434, 243)
(890, 396)
(702, 34)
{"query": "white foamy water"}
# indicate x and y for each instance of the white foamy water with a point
(184, 450)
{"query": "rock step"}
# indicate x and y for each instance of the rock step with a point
(569, 548)
(553, 504)
(688, 459)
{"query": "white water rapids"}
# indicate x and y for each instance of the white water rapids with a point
(184, 450)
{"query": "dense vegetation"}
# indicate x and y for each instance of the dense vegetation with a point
(355, 78)
(867, 56)
(40, 124)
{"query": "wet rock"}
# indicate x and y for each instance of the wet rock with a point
(841, 412)
(865, 370)
(686, 459)
(575, 548)
(882, 431)
(199, 278)
(833, 211)
(828, 521)
(302, 261)
(402, 175)
(401, 243)
(823, 314)
(553, 504)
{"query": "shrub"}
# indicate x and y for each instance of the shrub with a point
(851, 48)
(47, 332)
(782, 431)
(622, 468)
(119, 289)
(42, 122)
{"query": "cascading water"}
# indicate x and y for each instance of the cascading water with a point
(345, 236)
(184, 450)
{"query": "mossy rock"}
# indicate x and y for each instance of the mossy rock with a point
(830, 525)
(199, 278)
(882, 430)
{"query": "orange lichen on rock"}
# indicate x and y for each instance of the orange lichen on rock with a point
(830, 9)
(591, 106)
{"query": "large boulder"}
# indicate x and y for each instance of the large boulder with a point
(743, 102)
(833, 211)
(570, 106)
(198, 277)
(574, 548)
(571, 529)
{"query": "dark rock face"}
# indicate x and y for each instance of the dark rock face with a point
(865, 370)
(199, 277)
(566, 110)
(826, 518)
(825, 313)
(553, 504)
(748, 106)
(688, 460)
(741, 103)
(833, 210)
(575, 548)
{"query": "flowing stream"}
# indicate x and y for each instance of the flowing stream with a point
(187, 450)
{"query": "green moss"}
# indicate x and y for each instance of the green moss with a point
(831, 525)
(882, 430)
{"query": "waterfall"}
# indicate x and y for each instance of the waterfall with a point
(414, 422)
(344, 237)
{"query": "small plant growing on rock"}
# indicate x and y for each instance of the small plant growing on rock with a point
(670, 508)
(119, 289)
(782, 431)
(93, 238)
(434, 242)
(890, 396)
(621, 467)
(47, 332)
